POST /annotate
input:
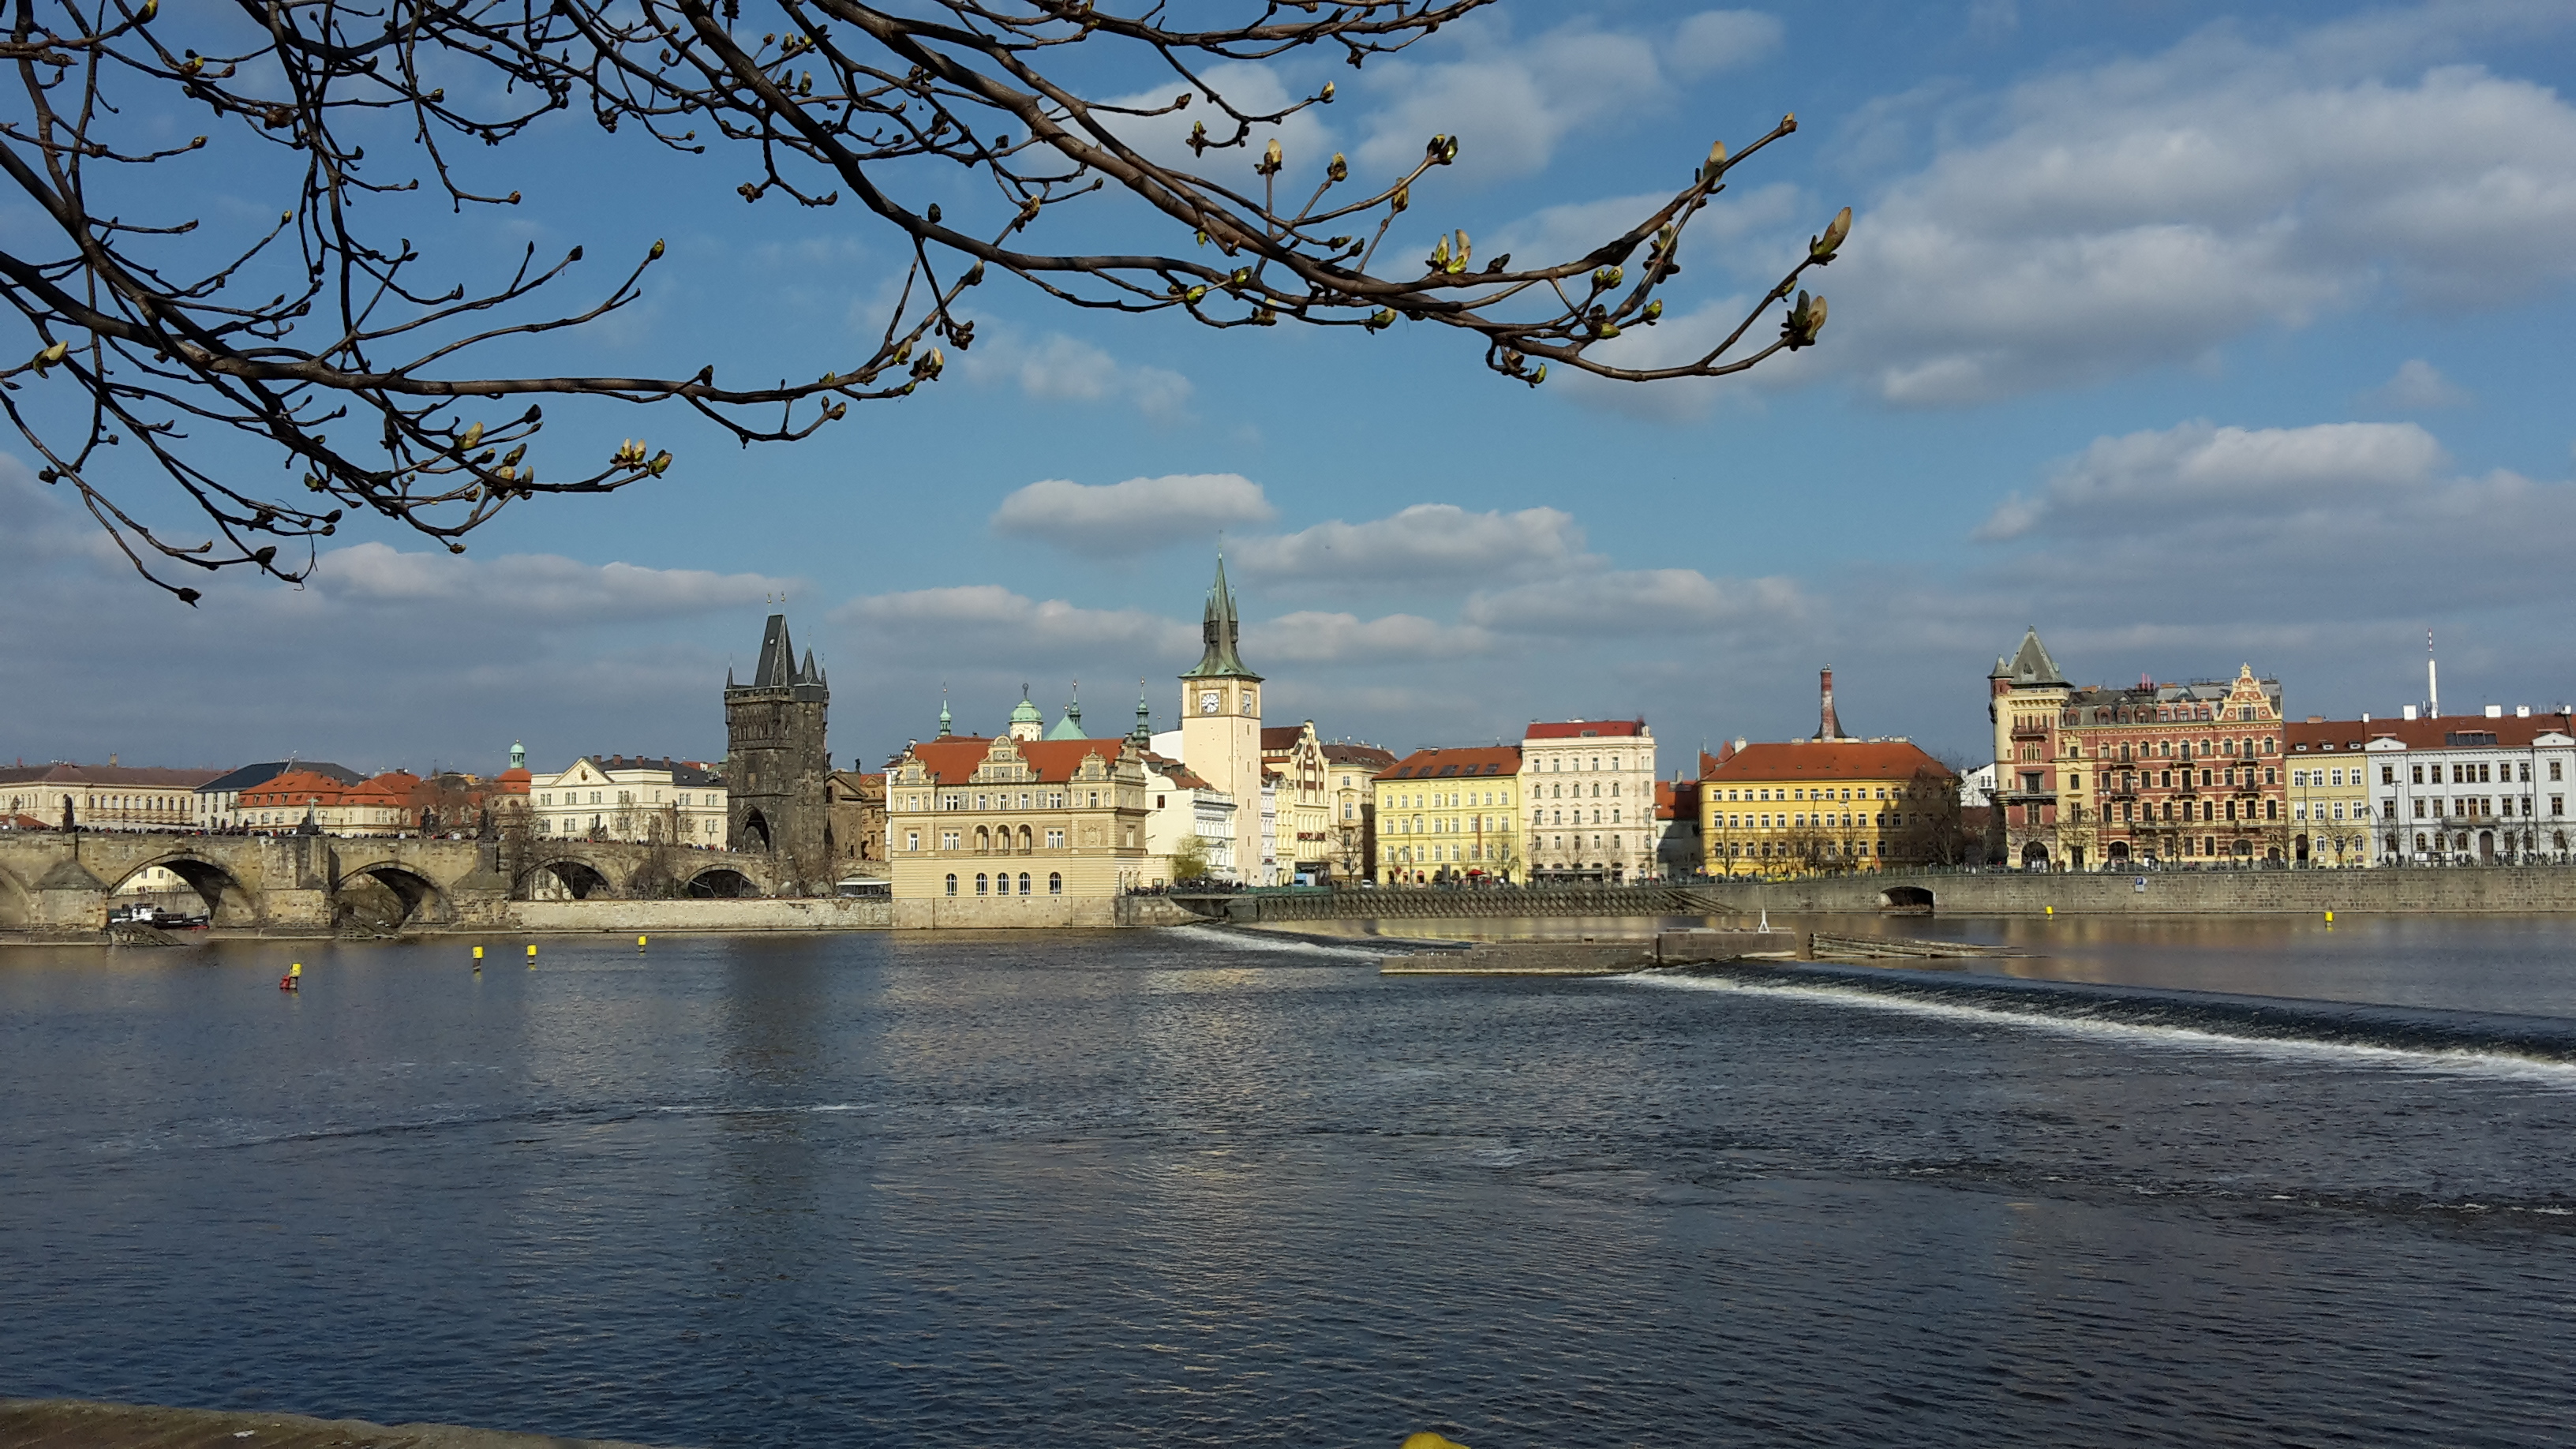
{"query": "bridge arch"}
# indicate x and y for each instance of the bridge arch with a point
(722, 881)
(228, 901)
(387, 894)
(1907, 900)
(17, 907)
(566, 875)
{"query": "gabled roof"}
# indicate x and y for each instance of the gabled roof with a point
(1281, 737)
(2030, 666)
(1457, 764)
(1584, 729)
(1367, 755)
(2463, 731)
(144, 776)
(1677, 799)
(954, 760)
(1181, 776)
(1825, 760)
(248, 775)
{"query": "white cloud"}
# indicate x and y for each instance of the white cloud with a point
(2120, 484)
(1249, 89)
(1428, 541)
(1639, 601)
(2418, 386)
(1058, 368)
(528, 585)
(1514, 102)
(2143, 212)
(1136, 516)
(1716, 40)
(994, 622)
(1314, 637)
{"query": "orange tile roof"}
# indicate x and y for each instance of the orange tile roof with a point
(1181, 776)
(1826, 760)
(1456, 763)
(1584, 729)
(1677, 799)
(1281, 737)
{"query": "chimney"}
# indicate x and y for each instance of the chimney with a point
(1827, 727)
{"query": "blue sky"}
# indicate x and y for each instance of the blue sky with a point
(2195, 336)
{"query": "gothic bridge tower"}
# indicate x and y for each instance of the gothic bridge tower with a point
(777, 766)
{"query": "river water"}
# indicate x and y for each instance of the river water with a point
(1188, 1188)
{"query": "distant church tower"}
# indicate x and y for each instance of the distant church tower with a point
(1221, 723)
(776, 765)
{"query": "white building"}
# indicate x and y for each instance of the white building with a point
(2469, 789)
(612, 797)
(1977, 787)
(1589, 787)
(1181, 805)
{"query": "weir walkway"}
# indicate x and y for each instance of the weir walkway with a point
(54, 881)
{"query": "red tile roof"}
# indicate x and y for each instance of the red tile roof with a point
(149, 776)
(1494, 760)
(1826, 760)
(1282, 737)
(1677, 799)
(1181, 776)
(2511, 732)
(1350, 754)
(1584, 729)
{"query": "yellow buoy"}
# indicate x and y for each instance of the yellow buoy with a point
(532, 956)
(1428, 1440)
(639, 943)
(295, 970)
(2329, 918)
(2052, 910)
(478, 953)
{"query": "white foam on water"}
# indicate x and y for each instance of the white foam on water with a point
(2448, 1061)
(1280, 945)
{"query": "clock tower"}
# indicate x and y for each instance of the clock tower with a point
(1221, 724)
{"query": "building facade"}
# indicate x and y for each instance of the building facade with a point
(1821, 805)
(617, 797)
(103, 797)
(1677, 844)
(778, 764)
(218, 804)
(1589, 788)
(1308, 847)
(2329, 798)
(1450, 814)
(1350, 770)
(2471, 790)
(1185, 808)
(2167, 774)
(857, 830)
(1005, 832)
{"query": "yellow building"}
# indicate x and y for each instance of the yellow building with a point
(1828, 804)
(1307, 844)
(1005, 832)
(1446, 815)
(2329, 795)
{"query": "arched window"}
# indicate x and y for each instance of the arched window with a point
(983, 839)
(952, 884)
(1055, 883)
(980, 883)
(1024, 845)
(1024, 882)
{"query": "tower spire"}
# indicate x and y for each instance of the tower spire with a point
(1221, 630)
(1142, 736)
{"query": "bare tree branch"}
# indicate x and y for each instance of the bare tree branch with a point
(834, 97)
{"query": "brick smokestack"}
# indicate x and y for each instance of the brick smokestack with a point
(1827, 727)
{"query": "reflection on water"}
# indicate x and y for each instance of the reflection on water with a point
(1181, 1188)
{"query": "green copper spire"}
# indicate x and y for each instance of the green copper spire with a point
(1070, 727)
(1142, 736)
(1222, 630)
(947, 726)
(1026, 711)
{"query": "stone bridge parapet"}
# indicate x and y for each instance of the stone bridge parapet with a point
(56, 882)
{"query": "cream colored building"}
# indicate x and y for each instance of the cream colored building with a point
(1009, 832)
(103, 797)
(1590, 796)
(1351, 770)
(1307, 845)
(613, 797)
(2329, 792)
(1185, 806)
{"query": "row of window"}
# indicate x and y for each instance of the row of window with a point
(1001, 884)
(1864, 794)
(2165, 714)
(2164, 779)
(2168, 750)
(989, 800)
(1837, 821)
(2209, 810)
(987, 840)
(1451, 800)
(1762, 850)
(624, 797)
(546, 825)
(2471, 805)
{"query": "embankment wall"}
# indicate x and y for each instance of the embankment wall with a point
(2500, 889)
(827, 913)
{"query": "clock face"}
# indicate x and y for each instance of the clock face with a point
(1209, 701)
(1251, 704)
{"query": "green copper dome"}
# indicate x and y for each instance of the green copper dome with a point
(1027, 712)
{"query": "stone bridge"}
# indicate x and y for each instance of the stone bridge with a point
(54, 882)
